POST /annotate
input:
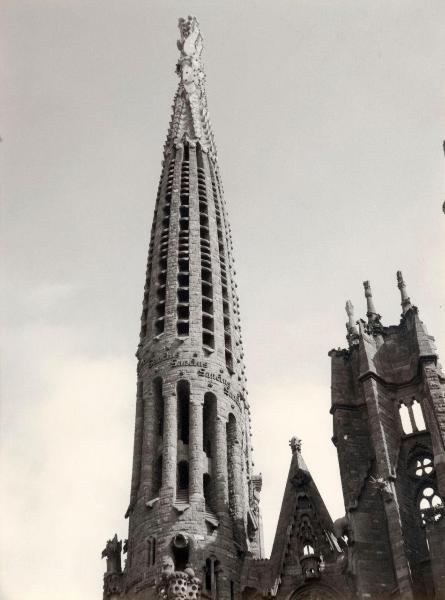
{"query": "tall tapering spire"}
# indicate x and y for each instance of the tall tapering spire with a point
(193, 490)
(406, 302)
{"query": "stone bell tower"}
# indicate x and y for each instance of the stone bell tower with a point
(388, 407)
(193, 512)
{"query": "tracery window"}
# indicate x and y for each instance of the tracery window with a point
(429, 502)
(423, 466)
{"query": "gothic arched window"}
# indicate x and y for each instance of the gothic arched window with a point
(411, 416)
(429, 502)
(308, 550)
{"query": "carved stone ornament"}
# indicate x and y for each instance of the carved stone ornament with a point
(295, 444)
(384, 486)
(190, 119)
(301, 478)
(178, 585)
(434, 514)
(112, 552)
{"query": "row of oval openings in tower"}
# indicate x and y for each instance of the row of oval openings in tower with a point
(184, 432)
(208, 331)
(163, 252)
(163, 245)
(224, 280)
(183, 309)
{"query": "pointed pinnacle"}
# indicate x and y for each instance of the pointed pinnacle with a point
(295, 444)
(406, 302)
(372, 314)
(350, 325)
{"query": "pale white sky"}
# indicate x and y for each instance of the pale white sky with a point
(329, 120)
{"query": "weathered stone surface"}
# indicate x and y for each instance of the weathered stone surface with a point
(194, 516)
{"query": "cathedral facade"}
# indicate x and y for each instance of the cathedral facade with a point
(194, 519)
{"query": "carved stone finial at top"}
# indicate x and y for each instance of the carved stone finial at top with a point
(190, 43)
(190, 122)
(406, 302)
(295, 444)
(189, 66)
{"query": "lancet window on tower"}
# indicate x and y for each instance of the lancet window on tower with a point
(411, 416)
(158, 430)
(211, 574)
(209, 414)
(308, 549)
(183, 410)
(209, 424)
(231, 444)
(151, 551)
(183, 306)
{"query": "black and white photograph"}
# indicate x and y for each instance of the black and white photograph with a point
(223, 300)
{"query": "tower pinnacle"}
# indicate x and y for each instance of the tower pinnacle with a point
(295, 444)
(406, 302)
(351, 325)
(371, 313)
(190, 119)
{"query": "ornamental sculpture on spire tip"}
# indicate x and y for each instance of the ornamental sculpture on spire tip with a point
(190, 121)
(295, 444)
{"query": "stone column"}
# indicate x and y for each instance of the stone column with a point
(169, 446)
(195, 448)
(220, 465)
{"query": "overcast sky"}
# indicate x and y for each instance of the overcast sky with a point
(329, 121)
